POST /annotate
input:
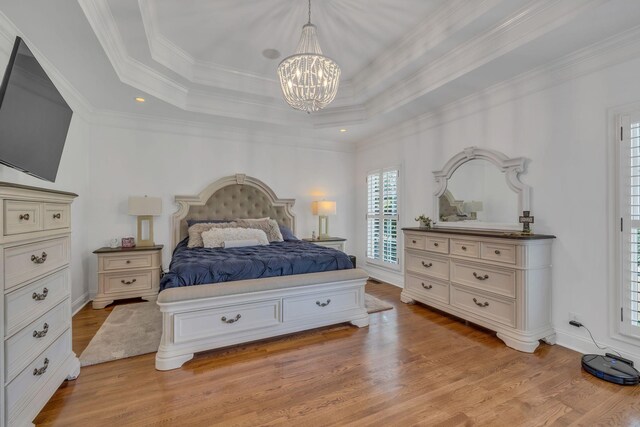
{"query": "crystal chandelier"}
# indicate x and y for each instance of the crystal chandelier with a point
(309, 80)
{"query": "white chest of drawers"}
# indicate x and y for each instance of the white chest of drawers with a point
(35, 256)
(493, 279)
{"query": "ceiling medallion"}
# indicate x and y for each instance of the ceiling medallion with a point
(309, 80)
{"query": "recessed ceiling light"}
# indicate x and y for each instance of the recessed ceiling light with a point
(343, 130)
(139, 99)
(271, 53)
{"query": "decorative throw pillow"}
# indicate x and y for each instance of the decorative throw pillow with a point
(196, 230)
(287, 233)
(269, 226)
(216, 237)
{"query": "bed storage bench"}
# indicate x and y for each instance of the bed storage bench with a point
(204, 317)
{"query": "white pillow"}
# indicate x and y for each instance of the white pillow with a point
(239, 243)
(216, 237)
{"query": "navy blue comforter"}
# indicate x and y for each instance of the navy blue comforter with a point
(212, 265)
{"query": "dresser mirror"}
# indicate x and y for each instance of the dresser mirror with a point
(481, 189)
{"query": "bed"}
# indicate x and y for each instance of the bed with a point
(228, 309)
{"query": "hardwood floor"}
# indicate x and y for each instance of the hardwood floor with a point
(410, 366)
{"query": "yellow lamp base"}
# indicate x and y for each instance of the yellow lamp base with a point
(145, 221)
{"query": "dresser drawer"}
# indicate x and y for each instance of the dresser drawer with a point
(25, 345)
(225, 320)
(123, 281)
(494, 279)
(56, 215)
(132, 260)
(26, 304)
(415, 241)
(22, 217)
(431, 265)
(493, 308)
(428, 288)
(498, 252)
(25, 262)
(465, 248)
(38, 372)
(319, 304)
(437, 244)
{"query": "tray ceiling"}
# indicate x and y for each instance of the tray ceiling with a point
(201, 60)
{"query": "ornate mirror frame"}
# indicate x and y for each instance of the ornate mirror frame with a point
(511, 167)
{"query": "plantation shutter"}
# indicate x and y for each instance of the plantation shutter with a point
(382, 216)
(629, 196)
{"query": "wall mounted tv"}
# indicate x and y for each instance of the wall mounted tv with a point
(34, 118)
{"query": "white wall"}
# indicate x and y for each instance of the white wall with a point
(563, 130)
(127, 162)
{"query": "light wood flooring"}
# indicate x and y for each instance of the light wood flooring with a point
(411, 366)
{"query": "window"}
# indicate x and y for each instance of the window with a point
(382, 217)
(629, 207)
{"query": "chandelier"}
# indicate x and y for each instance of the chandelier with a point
(309, 80)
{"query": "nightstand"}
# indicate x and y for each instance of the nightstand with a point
(330, 242)
(128, 273)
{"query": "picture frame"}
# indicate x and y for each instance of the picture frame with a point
(128, 242)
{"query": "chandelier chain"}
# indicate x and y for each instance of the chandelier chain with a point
(309, 11)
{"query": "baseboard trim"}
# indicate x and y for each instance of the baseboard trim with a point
(585, 345)
(79, 303)
(384, 275)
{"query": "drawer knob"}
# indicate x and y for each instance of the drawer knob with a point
(24, 217)
(40, 259)
(481, 304)
(43, 332)
(414, 241)
(323, 304)
(39, 297)
(40, 371)
(497, 252)
(128, 262)
(427, 286)
(234, 320)
(436, 244)
(127, 282)
(464, 248)
(56, 216)
(477, 276)
(424, 264)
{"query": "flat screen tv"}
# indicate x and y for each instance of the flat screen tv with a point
(34, 118)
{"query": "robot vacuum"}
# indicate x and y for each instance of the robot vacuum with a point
(611, 368)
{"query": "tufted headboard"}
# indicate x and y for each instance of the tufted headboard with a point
(236, 196)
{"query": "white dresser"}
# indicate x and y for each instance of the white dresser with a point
(35, 253)
(498, 280)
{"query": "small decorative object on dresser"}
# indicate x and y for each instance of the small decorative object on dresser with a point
(127, 243)
(424, 221)
(127, 273)
(526, 220)
(330, 242)
(35, 250)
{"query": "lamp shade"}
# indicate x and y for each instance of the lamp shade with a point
(145, 205)
(472, 206)
(323, 207)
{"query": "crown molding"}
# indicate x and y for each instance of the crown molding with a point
(615, 50)
(525, 25)
(221, 132)
(443, 23)
(78, 103)
(129, 70)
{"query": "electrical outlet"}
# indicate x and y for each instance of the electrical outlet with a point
(574, 316)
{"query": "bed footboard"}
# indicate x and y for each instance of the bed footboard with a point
(206, 317)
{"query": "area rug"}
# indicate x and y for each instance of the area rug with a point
(135, 329)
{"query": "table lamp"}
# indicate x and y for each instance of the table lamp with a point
(323, 209)
(145, 208)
